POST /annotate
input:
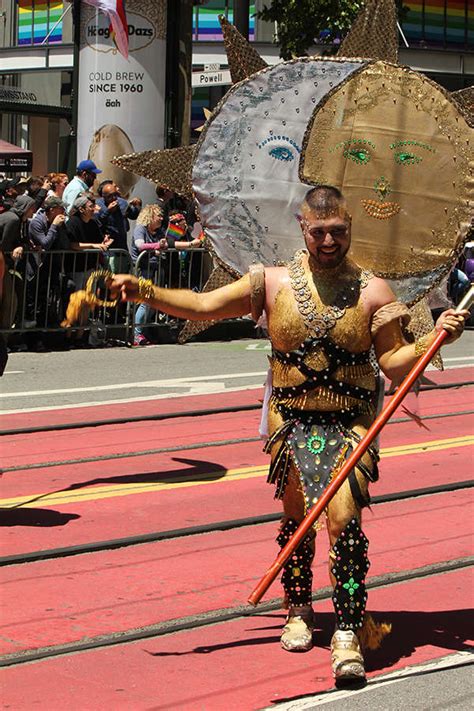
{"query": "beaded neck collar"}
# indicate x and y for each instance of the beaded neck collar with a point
(320, 321)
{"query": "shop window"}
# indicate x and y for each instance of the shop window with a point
(36, 20)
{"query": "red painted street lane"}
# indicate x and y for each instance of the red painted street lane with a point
(89, 442)
(59, 601)
(49, 526)
(173, 403)
(78, 598)
(239, 664)
(108, 440)
(210, 498)
(61, 446)
(179, 403)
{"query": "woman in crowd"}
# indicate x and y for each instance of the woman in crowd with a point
(148, 236)
(84, 233)
(58, 184)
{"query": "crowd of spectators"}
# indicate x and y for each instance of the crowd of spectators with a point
(54, 232)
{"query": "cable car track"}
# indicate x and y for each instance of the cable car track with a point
(188, 447)
(180, 414)
(216, 616)
(98, 546)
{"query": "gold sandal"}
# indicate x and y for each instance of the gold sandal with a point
(346, 658)
(297, 634)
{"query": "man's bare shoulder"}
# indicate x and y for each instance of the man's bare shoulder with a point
(275, 279)
(378, 293)
(276, 272)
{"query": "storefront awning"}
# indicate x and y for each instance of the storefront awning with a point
(14, 159)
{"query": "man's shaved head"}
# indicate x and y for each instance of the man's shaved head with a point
(326, 201)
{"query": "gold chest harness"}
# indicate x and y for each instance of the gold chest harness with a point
(320, 374)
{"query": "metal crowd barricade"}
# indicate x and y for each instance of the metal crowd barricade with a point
(37, 288)
(172, 269)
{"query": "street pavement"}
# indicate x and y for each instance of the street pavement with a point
(447, 683)
(111, 376)
(117, 375)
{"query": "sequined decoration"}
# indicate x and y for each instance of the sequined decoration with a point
(382, 187)
(297, 578)
(350, 568)
(319, 322)
(405, 156)
(321, 443)
(285, 139)
(400, 144)
(374, 32)
(242, 58)
(317, 451)
(170, 168)
(464, 99)
(356, 149)
(380, 210)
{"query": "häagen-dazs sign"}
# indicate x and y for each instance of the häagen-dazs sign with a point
(98, 32)
(122, 101)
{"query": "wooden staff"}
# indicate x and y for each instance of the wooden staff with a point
(350, 463)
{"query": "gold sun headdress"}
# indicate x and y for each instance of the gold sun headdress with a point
(397, 145)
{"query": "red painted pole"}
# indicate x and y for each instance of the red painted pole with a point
(350, 463)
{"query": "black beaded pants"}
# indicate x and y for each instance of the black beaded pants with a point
(341, 510)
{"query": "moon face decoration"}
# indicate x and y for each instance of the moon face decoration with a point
(398, 148)
(389, 138)
(245, 171)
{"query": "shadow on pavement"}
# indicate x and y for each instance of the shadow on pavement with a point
(196, 470)
(449, 630)
(43, 518)
(446, 629)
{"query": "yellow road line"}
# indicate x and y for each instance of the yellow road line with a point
(93, 493)
(429, 446)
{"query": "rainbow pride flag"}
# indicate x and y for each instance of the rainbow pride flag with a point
(37, 19)
(439, 22)
(206, 23)
(175, 231)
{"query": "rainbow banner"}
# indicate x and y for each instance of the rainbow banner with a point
(440, 22)
(206, 24)
(37, 19)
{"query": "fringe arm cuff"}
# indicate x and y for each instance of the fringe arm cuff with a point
(388, 313)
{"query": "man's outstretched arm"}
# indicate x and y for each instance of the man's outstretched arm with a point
(227, 302)
(396, 357)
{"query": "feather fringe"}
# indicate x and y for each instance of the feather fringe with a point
(372, 633)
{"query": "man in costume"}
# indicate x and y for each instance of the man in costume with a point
(326, 318)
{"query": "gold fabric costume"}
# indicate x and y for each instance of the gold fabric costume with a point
(324, 392)
(324, 386)
(288, 333)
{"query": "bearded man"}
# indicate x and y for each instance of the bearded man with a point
(326, 318)
(86, 175)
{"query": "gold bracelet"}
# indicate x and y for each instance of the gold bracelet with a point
(421, 345)
(103, 275)
(146, 290)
